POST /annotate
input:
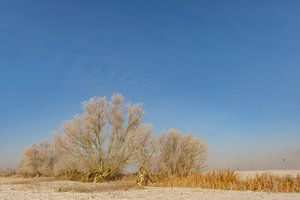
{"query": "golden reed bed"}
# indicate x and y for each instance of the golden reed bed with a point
(222, 179)
(230, 180)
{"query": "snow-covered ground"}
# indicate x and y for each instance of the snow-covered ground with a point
(32, 189)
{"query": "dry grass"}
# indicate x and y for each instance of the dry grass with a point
(224, 179)
(100, 187)
(7, 173)
(229, 180)
(25, 181)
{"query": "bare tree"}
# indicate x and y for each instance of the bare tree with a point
(38, 160)
(180, 154)
(144, 156)
(102, 141)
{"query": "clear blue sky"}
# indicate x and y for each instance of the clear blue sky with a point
(227, 71)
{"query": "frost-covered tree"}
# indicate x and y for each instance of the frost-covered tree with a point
(180, 154)
(38, 160)
(105, 138)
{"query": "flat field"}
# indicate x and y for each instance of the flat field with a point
(47, 188)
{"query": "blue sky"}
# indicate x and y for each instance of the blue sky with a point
(227, 71)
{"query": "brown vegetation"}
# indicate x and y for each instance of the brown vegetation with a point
(38, 159)
(223, 179)
(179, 154)
(110, 136)
(229, 180)
(8, 173)
(26, 181)
(107, 187)
(102, 141)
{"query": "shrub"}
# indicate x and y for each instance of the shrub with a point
(102, 141)
(38, 160)
(8, 172)
(180, 154)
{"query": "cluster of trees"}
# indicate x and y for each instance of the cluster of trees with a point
(108, 138)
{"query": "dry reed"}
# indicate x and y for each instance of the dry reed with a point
(98, 187)
(229, 180)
